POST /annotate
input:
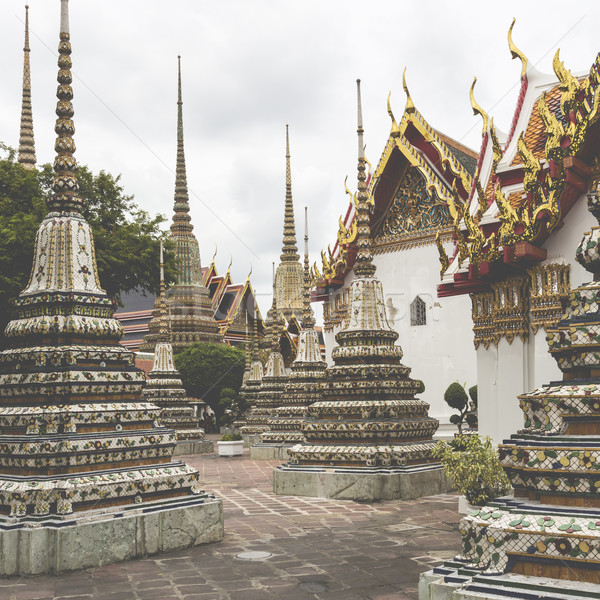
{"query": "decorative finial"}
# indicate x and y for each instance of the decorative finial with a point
(515, 52)
(64, 16)
(410, 107)
(26, 155)
(308, 318)
(364, 266)
(230, 263)
(395, 129)
(477, 110)
(249, 273)
(289, 251)
(65, 185)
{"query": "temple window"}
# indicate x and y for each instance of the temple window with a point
(418, 315)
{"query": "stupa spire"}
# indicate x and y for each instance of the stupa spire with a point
(26, 155)
(364, 266)
(289, 271)
(308, 317)
(182, 222)
(164, 325)
(289, 251)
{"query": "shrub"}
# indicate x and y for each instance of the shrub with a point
(473, 465)
(456, 397)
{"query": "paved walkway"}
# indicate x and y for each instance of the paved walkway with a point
(330, 550)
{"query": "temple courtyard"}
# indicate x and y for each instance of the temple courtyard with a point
(337, 550)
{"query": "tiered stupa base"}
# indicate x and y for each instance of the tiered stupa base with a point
(59, 543)
(286, 431)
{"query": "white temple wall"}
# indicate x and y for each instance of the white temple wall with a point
(512, 369)
(439, 352)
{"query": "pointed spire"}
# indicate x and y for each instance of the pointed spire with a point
(308, 317)
(164, 328)
(181, 219)
(26, 156)
(289, 251)
(364, 266)
(65, 185)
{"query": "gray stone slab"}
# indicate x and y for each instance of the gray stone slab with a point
(193, 447)
(90, 542)
(359, 484)
(270, 452)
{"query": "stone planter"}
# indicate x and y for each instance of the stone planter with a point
(231, 448)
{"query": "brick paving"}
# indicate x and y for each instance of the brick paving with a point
(330, 550)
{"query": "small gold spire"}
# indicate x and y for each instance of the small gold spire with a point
(229, 266)
(214, 255)
(515, 52)
(410, 107)
(477, 110)
(249, 273)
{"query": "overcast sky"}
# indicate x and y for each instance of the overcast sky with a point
(251, 66)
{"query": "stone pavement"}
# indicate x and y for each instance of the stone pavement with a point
(334, 550)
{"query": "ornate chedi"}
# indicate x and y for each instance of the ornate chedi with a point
(188, 301)
(26, 154)
(303, 388)
(86, 475)
(165, 389)
(288, 280)
(272, 383)
(551, 528)
(252, 385)
(369, 436)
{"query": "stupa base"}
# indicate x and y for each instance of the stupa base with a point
(453, 581)
(89, 539)
(250, 439)
(360, 483)
(193, 447)
(270, 451)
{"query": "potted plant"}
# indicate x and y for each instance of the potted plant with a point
(473, 465)
(231, 445)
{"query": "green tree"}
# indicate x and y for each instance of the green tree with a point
(126, 237)
(208, 368)
(232, 406)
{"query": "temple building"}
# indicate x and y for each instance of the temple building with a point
(545, 541)
(164, 388)
(513, 230)
(410, 190)
(86, 475)
(26, 154)
(369, 438)
(303, 388)
(188, 301)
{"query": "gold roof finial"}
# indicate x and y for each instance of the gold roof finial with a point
(395, 129)
(477, 110)
(214, 255)
(249, 273)
(229, 266)
(515, 52)
(410, 107)
(26, 155)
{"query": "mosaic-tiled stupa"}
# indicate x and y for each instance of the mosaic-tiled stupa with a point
(288, 279)
(251, 386)
(551, 528)
(164, 388)
(273, 380)
(86, 475)
(369, 437)
(304, 386)
(188, 301)
(26, 154)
